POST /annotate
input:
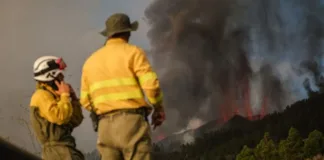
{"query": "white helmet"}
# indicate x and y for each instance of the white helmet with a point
(47, 68)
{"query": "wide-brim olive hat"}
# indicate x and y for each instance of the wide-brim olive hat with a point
(118, 23)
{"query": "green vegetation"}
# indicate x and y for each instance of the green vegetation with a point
(292, 148)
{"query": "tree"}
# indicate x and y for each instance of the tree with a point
(313, 144)
(266, 149)
(292, 147)
(246, 154)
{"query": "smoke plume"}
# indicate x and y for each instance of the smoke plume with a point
(314, 69)
(209, 53)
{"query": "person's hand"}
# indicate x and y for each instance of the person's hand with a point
(158, 117)
(62, 87)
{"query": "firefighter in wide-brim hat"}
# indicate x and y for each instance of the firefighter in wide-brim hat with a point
(119, 23)
(113, 78)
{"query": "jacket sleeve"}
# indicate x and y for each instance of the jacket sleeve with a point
(77, 116)
(84, 92)
(58, 112)
(147, 78)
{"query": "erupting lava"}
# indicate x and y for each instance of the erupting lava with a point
(246, 99)
(238, 104)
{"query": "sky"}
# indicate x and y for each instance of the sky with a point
(67, 28)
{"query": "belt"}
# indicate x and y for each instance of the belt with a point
(141, 111)
(64, 141)
(57, 143)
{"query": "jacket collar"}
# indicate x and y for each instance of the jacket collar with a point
(46, 87)
(115, 40)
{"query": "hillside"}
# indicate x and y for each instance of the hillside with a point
(305, 115)
(218, 141)
(173, 142)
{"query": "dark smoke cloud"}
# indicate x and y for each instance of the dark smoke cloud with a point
(203, 48)
(273, 90)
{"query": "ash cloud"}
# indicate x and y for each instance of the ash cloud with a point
(316, 77)
(208, 54)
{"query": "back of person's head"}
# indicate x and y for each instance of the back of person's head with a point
(123, 35)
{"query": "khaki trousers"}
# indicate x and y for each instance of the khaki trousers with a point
(61, 153)
(124, 136)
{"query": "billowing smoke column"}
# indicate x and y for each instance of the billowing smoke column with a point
(216, 58)
(314, 69)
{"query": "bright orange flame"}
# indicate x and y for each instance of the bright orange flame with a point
(247, 99)
(227, 106)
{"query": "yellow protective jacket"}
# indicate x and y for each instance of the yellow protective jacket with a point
(114, 76)
(53, 118)
(54, 108)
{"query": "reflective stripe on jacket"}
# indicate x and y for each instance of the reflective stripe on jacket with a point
(114, 76)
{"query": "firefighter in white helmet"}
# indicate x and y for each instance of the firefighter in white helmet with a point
(55, 110)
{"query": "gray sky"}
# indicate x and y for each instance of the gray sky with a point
(33, 28)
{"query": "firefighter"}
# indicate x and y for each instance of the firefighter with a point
(55, 110)
(112, 81)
